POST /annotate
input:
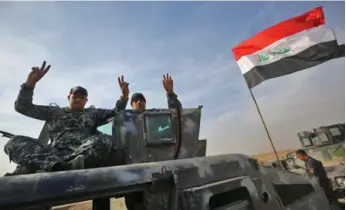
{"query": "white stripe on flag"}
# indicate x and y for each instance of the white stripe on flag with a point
(286, 47)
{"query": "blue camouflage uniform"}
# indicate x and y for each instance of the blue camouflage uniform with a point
(159, 129)
(71, 133)
(320, 174)
(317, 166)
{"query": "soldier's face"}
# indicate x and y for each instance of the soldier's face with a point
(77, 100)
(300, 156)
(138, 105)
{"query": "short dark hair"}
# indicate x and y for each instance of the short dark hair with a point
(301, 152)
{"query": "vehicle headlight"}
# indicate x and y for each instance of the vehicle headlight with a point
(340, 181)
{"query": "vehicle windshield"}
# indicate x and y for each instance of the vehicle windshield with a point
(323, 137)
(306, 141)
(106, 128)
(335, 131)
(159, 128)
(336, 152)
(316, 154)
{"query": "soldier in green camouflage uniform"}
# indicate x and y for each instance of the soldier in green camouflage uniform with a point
(72, 130)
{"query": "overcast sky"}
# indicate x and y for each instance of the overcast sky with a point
(92, 43)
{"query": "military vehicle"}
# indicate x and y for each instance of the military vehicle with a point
(159, 163)
(276, 164)
(326, 144)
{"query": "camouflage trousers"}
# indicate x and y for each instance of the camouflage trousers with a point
(27, 151)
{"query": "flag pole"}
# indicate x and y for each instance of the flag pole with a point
(265, 127)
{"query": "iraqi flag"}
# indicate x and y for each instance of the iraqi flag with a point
(287, 47)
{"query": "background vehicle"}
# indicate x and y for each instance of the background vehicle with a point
(326, 144)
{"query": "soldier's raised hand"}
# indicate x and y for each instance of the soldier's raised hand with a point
(124, 87)
(167, 83)
(36, 74)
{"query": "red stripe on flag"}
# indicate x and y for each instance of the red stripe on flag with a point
(313, 18)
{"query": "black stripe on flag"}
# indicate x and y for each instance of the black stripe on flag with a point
(310, 57)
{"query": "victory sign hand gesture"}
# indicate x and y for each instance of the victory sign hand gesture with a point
(168, 83)
(124, 87)
(36, 74)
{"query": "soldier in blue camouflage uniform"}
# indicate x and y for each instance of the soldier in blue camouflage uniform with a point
(138, 101)
(315, 170)
(159, 127)
(72, 130)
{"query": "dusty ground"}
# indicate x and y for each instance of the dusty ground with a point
(116, 204)
(271, 156)
(119, 204)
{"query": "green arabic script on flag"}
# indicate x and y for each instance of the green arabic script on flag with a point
(273, 53)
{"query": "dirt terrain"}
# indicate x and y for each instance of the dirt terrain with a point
(116, 204)
(271, 156)
(119, 204)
